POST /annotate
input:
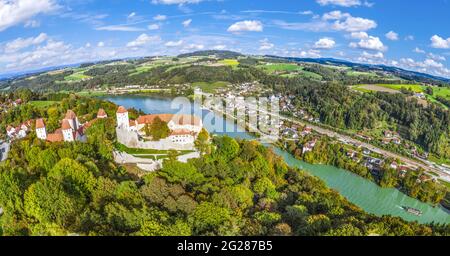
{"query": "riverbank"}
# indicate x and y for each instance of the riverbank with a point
(361, 192)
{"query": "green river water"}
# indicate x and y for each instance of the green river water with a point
(361, 192)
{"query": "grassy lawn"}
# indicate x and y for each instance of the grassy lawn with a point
(41, 103)
(357, 73)
(398, 87)
(303, 73)
(78, 76)
(209, 87)
(143, 69)
(271, 67)
(229, 62)
(91, 93)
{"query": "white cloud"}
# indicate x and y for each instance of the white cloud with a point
(427, 66)
(370, 43)
(344, 3)
(180, 2)
(21, 43)
(174, 43)
(354, 24)
(131, 15)
(187, 23)
(325, 43)
(335, 15)
(219, 47)
(418, 50)
(439, 42)
(142, 40)
(153, 27)
(409, 38)
(378, 55)
(391, 35)
(13, 12)
(265, 45)
(160, 17)
(101, 44)
(306, 12)
(190, 47)
(247, 25)
(359, 35)
(88, 45)
(119, 28)
(436, 57)
(310, 54)
(32, 24)
(375, 58)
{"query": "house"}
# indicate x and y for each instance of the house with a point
(309, 146)
(394, 165)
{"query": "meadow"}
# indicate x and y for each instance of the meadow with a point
(210, 87)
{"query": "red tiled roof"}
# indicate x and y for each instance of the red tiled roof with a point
(177, 119)
(40, 123)
(181, 132)
(70, 114)
(132, 123)
(101, 112)
(55, 137)
(122, 110)
(65, 125)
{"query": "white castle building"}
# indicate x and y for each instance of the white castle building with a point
(71, 129)
(184, 128)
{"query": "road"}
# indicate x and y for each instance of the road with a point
(375, 149)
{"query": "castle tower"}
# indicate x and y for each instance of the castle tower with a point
(122, 118)
(41, 132)
(73, 119)
(67, 131)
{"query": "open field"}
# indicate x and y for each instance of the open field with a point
(398, 87)
(78, 76)
(272, 67)
(143, 69)
(229, 62)
(42, 104)
(357, 73)
(375, 88)
(209, 87)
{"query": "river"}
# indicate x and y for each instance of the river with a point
(361, 192)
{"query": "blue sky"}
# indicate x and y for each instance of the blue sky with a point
(411, 34)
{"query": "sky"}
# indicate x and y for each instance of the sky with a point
(412, 34)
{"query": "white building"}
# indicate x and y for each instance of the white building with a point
(67, 131)
(122, 118)
(41, 132)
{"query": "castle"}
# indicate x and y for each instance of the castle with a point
(71, 129)
(184, 128)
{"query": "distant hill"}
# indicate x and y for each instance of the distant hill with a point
(219, 54)
(399, 72)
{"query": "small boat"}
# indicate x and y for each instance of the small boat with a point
(411, 210)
